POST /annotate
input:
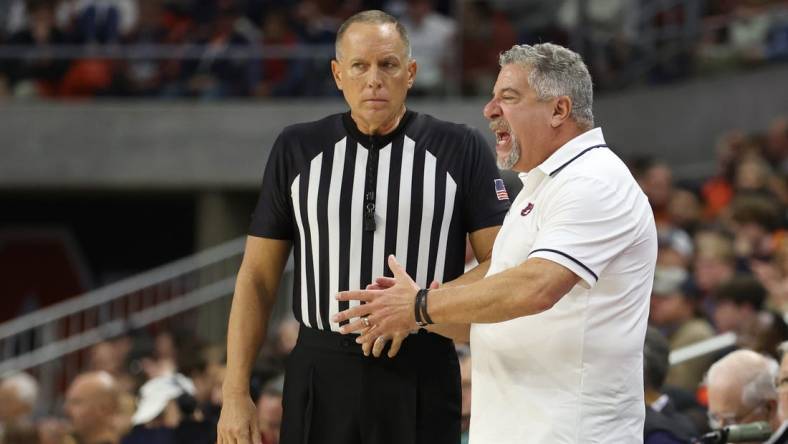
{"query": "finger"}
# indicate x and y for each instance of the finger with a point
(256, 438)
(434, 285)
(396, 343)
(396, 268)
(353, 327)
(374, 286)
(358, 295)
(353, 312)
(385, 282)
(380, 343)
(367, 348)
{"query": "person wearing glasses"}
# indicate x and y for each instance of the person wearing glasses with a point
(741, 390)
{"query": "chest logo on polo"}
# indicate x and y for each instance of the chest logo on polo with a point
(527, 210)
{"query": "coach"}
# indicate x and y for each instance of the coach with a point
(345, 192)
(558, 324)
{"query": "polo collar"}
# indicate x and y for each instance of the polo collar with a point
(571, 151)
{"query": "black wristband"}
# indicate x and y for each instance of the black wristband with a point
(417, 309)
(425, 316)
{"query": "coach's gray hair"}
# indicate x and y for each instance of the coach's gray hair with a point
(376, 17)
(556, 71)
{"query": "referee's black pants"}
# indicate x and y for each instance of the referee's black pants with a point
(335, 395)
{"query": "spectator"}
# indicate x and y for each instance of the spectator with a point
(714, 264)
(269, 410)
(776, 145)
(685, 210)
(754, 220)
(18, 396)
(738, 303)
(37, 76)
(674, 312)
(741, 390)
(167, 414)
(92, 405)
(432, 37)
(656, 181)
(280, 77)
(485, 33)
(664, 424)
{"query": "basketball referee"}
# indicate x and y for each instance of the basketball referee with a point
(344, 192)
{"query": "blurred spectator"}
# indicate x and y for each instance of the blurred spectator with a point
(664, 424)
(738, 303)
(741, 390)
(18, 397)
(675, 248)
(656, 180)
(280, 77)
(685, 210)
(167, 414)
(485, 33)
(674, 312)
(755, 220)
(37, 76)
(433, 42)
(20, 434)
(714, 264)
(776, 145)
(104, 21)
(269, 410)
(92, 406)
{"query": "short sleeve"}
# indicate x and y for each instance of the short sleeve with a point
(585, 225)
(273, 215)
(485, 200)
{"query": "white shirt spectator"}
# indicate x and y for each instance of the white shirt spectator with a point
(432, 45)
(573, 373)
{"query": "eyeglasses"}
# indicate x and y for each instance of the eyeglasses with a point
(718, 421)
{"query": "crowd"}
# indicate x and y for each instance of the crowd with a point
(722, 267)
(253, 48)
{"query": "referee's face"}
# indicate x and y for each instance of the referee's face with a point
(374, 73)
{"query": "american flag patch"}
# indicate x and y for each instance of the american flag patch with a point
(500, 190)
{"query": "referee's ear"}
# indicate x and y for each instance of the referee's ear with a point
(337, 73)
(413, 67)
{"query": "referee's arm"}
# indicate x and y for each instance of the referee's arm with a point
(255, 294)
(482, 243)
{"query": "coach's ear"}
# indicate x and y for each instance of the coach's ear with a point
(336, 71)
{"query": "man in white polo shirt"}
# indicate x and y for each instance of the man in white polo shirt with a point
(558, 322)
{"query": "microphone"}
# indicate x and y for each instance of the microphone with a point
(755, 431)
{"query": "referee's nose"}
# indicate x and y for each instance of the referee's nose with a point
(373, 77)
(492, 110)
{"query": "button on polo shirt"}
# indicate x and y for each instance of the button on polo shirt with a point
(574, 373)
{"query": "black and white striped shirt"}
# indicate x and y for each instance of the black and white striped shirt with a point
(432, 183)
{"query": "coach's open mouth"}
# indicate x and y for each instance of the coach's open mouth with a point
(502, 138)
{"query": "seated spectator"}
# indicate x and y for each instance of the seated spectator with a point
(714, 264)
(92, 404)
(280, 77)
(664, 424)
(685, 210)
(674, 312)
(741, 390)
(18, 396)
(432, 37)
(656, 180)
(37, 76)
(755, 219)
(104, 21)
(738, 302)
(269, 410)
(167, 414)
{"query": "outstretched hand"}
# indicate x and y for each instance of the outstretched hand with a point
(387, 311)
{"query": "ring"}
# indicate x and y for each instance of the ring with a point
(365, 321)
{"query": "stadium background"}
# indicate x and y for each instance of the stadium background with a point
(133, 133)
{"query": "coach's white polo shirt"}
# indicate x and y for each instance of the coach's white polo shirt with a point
(574, 373)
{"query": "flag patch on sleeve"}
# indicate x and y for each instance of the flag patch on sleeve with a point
(500, 190)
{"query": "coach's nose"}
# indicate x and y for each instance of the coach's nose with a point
(492, 110)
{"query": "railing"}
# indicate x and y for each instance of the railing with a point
(49, 342)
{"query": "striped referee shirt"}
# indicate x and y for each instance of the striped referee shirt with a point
(347, 200)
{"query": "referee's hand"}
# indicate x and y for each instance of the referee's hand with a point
(238, 421)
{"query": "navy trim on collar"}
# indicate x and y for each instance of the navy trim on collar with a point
(555, 171)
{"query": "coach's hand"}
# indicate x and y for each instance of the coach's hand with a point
(238, 421)
(387, 311)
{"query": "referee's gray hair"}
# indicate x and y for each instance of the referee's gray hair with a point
(556, 71)
(376, 17)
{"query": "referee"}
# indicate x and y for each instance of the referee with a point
(344, 192)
